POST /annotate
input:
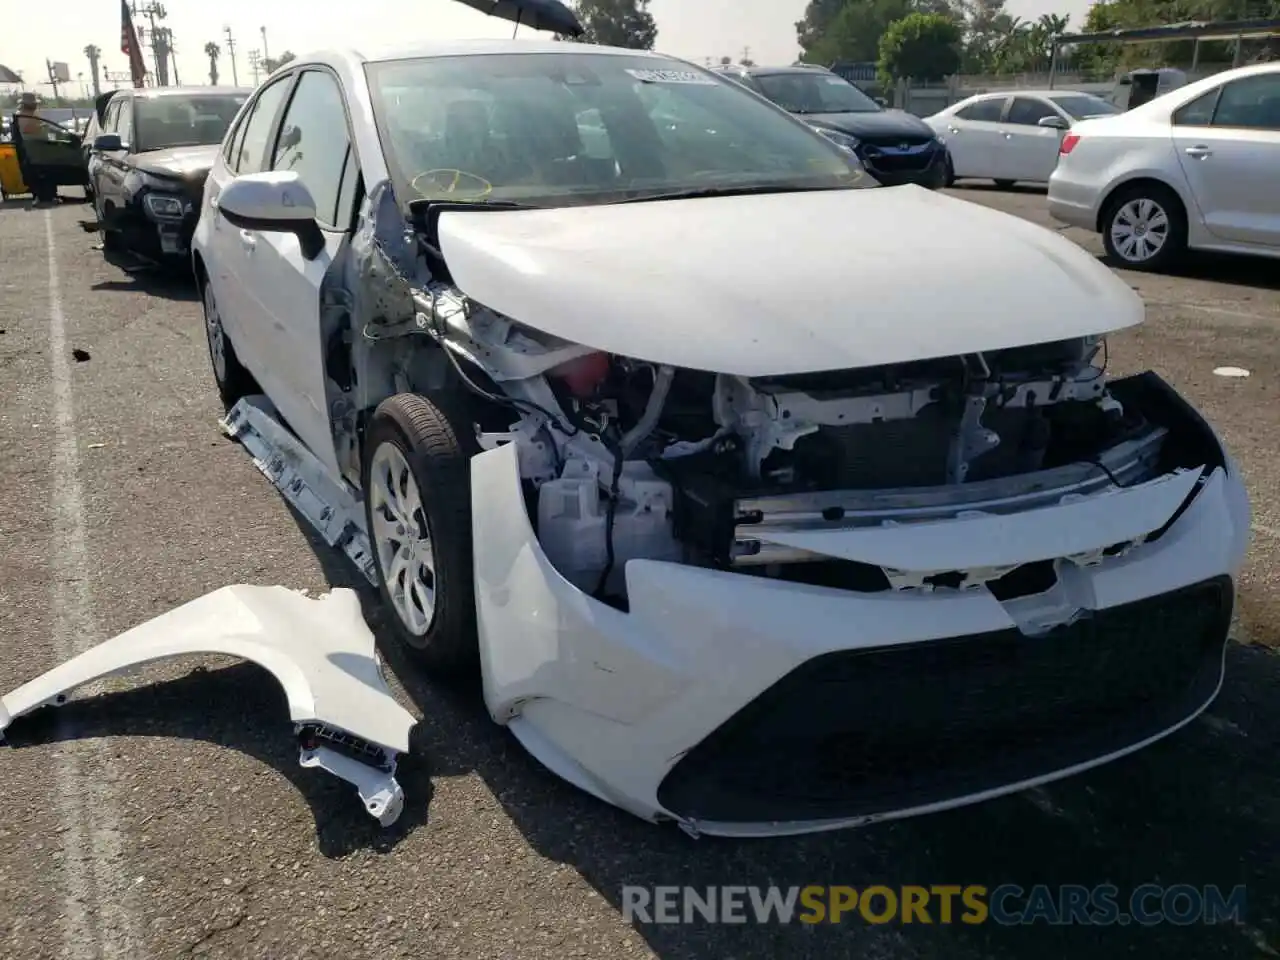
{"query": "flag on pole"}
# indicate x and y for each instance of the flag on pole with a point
(130, 46)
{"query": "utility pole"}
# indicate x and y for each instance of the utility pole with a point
(255, 64)
(266, 55)
(154, 11)
(231, 52)
(53, 77)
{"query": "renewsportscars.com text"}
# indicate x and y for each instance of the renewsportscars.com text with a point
(1007, 905)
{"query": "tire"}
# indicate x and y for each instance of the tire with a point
(1146, 205)
(232, 379)
(435, 443)
(1005, 184)
(949, 177)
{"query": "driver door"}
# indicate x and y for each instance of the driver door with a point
(314, 142)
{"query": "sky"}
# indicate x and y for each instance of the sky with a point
(693, 29)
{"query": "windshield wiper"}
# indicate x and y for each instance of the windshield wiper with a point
(742, 191)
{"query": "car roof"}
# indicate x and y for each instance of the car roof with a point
(462, 48)
(757, 71)
(158, 93)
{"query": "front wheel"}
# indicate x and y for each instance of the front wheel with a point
(417, 492)
(232, 379)
(1145, 228)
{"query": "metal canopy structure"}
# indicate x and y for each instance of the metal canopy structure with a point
(1190, 30)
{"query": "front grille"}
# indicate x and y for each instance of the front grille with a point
(908, 154)
(857, 733)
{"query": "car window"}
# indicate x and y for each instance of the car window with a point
(582, 127)
(257, 128)
(313, 140)
(112, 117)
(185, 120)
(1197, 113)
(1027, 111)
(1080, 106)
(1252, 103)
(983, 110)
(815, 93)
(124, 122)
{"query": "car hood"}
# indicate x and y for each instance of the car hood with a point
(785, 283)
(884, 123)
(180, 162)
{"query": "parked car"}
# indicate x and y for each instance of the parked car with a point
(93, 127)
(894, 146)
(47, 159)
(727, 544)
(1010, 137)
(148, 164)
(1197, 168)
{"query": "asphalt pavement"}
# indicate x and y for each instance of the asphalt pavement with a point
(165, 815)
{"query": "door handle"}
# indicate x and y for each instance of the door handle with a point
(248, 241)
(1199, 151)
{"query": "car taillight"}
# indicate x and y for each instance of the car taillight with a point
(1068, 143)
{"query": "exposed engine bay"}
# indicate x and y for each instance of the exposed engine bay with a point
(624, 459)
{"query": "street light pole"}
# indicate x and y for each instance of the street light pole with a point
(231, 52)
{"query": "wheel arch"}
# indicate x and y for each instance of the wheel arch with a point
(1128, 183)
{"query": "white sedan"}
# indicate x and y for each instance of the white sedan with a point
(1012, 137)
(1197, 168)
(743, 523)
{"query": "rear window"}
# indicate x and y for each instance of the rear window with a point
(1081, 105)
(987, 110)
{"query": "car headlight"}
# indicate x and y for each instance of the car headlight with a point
(839, 139)
(165, 207)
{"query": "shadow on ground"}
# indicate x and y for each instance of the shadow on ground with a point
(1261, 273)
(156, 283)
(987, 186)
(1200, 808)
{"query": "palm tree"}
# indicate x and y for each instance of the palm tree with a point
(93, 53)
(213, 52)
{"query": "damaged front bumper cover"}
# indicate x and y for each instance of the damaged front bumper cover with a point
(319, 650)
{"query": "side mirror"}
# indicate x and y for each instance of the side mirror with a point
(275, 201)
(1054, 123)
(107, 143)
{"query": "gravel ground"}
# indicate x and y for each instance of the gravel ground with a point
(169, 817)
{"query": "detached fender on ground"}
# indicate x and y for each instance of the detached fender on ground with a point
(321, 652)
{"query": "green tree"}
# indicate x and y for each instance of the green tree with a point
(617, 23)
(272, 64)
(854, 34)
(920, 46)
(818, 17)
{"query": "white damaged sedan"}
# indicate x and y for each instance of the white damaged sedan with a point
(764, 503)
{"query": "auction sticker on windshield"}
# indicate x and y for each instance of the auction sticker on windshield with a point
(671, 76)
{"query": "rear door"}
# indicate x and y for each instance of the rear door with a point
(1030, 151)
(972, 133)
(1228, 146)
(315, 142)
(231, 250)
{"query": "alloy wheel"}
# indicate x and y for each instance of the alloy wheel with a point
(217, 337)
(401, 538)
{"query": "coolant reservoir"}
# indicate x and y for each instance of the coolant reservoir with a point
(572, 520)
